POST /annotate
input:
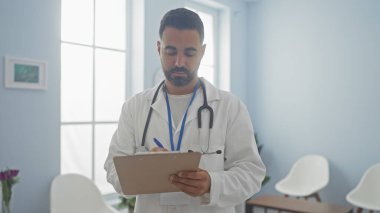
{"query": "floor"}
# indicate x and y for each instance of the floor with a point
(261, 210)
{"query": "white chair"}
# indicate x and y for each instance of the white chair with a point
(306, 178)
(75, 193)
(366, 195)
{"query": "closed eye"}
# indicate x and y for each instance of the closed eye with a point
(170, 50)
(190, 52)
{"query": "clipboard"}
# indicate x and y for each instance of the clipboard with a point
(149, 173)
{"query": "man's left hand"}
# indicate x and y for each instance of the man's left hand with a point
(193, 183)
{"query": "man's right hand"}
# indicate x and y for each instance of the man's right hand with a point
(158, 149)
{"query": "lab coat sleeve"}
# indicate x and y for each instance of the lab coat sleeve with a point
(122, 143)
(243, 168)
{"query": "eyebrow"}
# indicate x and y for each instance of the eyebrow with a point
(169, 47)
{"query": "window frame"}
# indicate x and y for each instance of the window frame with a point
(127, 90)
(214, 13)
(222, 41)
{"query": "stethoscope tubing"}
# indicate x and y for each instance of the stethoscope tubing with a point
(205, 106)
(150, 114)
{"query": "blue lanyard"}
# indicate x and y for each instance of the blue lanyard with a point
(183, 120)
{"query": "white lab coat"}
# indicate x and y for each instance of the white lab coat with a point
(236, 174)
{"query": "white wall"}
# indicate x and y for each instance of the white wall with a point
(29, 120)
(314, 73)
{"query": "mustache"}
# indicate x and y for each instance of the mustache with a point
(178, 69)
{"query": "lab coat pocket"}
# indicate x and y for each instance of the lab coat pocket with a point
(174, 198)
(212, 160)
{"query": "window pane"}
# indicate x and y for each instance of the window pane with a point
(208, 22)
(77, 21)
(76, 149)
(109, 84)
(207, 72)
(110, 23)
(207, 67)
(76, 83)
(103, 135)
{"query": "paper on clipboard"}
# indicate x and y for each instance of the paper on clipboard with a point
(149, 173)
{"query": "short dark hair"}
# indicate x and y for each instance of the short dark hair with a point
(182, 19)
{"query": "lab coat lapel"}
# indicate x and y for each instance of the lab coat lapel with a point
(192, 113)
(160, 106)
(212, 95)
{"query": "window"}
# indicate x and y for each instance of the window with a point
(93, 83)
(208, 66)
(215, 65)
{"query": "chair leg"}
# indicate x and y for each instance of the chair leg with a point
(317, 197)
(359, 210)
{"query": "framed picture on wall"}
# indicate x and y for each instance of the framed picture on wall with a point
(25, 73)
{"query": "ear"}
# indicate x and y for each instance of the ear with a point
(159, 47)
(203, 49)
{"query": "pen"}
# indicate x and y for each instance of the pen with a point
(158, 143)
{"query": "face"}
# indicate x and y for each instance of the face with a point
(181, 52)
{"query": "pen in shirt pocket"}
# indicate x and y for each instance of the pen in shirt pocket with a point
(158, 143)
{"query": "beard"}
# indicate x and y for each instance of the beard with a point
(182, 80)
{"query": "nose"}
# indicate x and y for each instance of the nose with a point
(180, 60)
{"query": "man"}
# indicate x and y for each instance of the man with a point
(230, 170)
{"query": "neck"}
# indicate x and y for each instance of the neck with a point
(175, 90)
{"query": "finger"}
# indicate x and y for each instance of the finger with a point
(158, 149)
(198, 175)
(186, 181)
(191, 186)
(190, 175)
(190, 190)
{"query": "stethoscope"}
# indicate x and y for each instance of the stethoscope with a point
(205, 106)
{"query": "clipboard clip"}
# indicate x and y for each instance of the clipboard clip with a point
(208, 153)
(218, 152)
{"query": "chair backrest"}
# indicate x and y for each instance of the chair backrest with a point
(368, 188)
(76, 193)
(311, 170)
